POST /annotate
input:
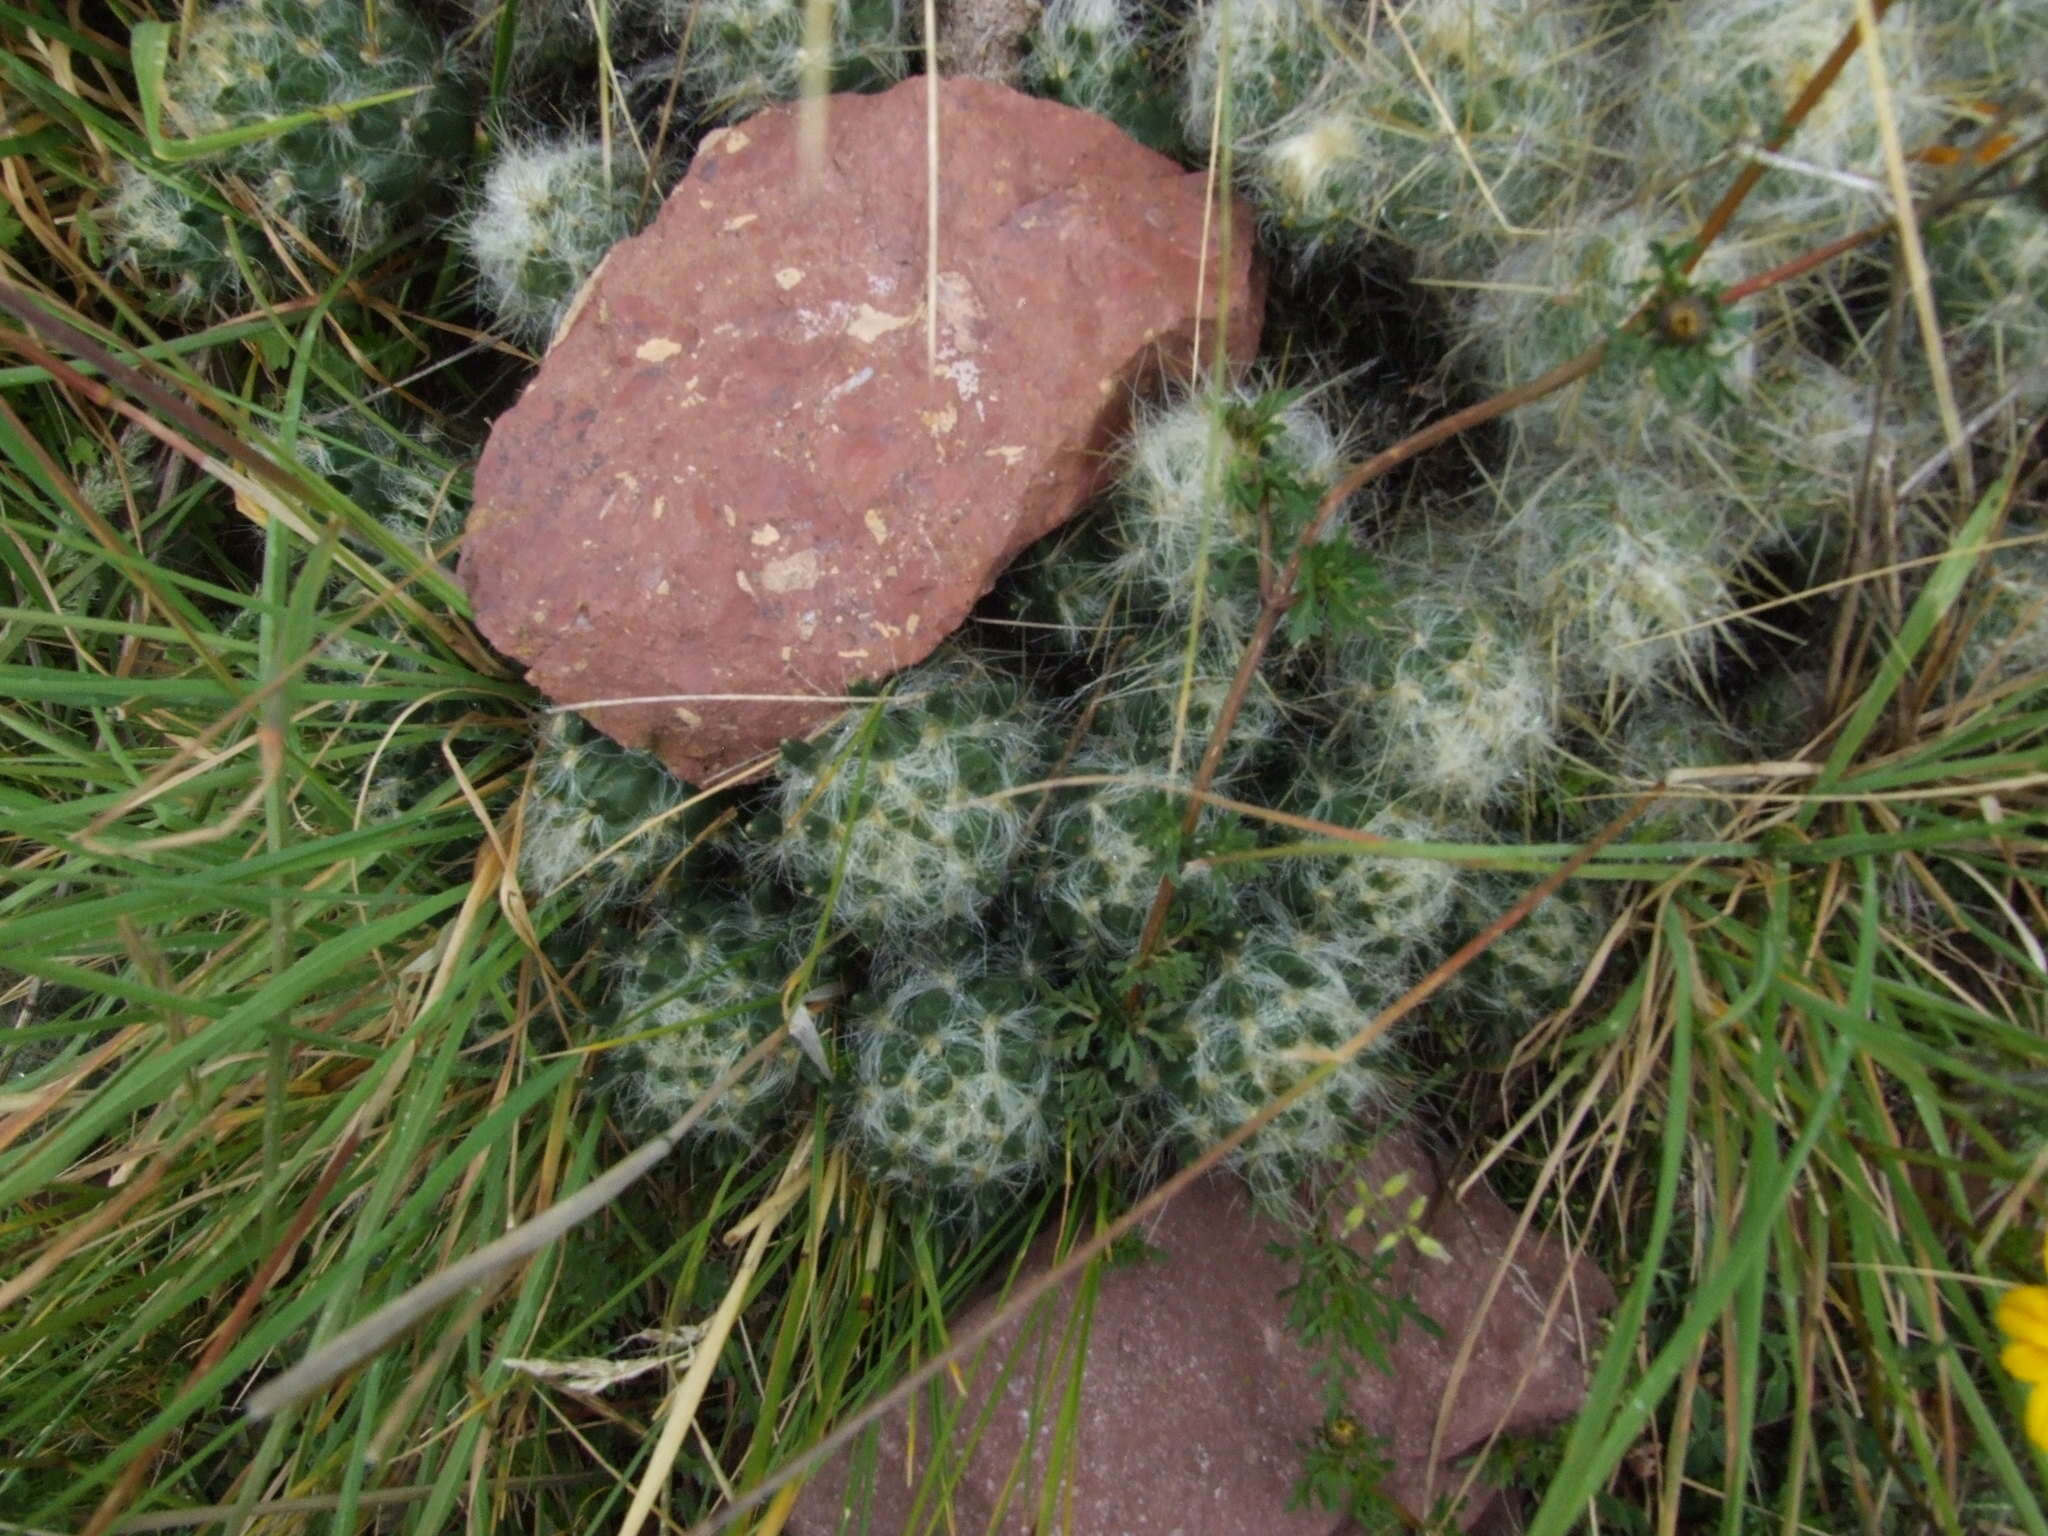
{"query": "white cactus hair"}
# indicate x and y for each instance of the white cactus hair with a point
(923, 846)
(1631, 576)
(1461, 709)
(706, 1009)
(1280, 1003)
(551, 206)
(962, 1111)
(1104, 27)
(1370, 901)
(1718, 75)
(563, 835)
(1173, 502)
(2008, 640)
(748, 54)
(1262, 34)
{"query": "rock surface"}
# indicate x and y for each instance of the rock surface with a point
(736, 474)
(1196, 1397)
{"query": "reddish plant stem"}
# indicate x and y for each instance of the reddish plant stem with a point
(1752, 173)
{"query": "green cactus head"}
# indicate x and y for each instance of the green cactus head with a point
(694, 995)
(950, 1081)
(599, 814)
(1278, 1006)
(906, 804)
(548, 215)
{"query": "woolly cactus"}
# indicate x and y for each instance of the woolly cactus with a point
(1657, 738)
(393, 464)
(704, 988)
(742, 55)
(1532, 969)
(1197, 476)
(1145, 725)
(1385, 908)
(172, 234)
(1064, 593)
(549, 34)
(613, 817)
(2008, 635)
(950, 1082)
(1271, 53)
(350, 175)
(901, 798)
(1278, 1004)
(1089, 54)
(1107, 847)
(1443, 125)
(1449, 703)
(1717, 76)
(548, 215)
(1630, 576)
(1990, 268)
(1814, 429)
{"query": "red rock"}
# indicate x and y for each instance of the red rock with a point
(735, 474)
(1195, 1396)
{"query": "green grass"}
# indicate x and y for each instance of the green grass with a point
(281, 1038)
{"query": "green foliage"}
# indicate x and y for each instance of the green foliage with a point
(1686, 338)
(279, 1026)
(1344, 1307)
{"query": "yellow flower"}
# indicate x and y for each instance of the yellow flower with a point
(2023, 1319)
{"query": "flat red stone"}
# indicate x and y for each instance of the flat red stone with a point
(736, 474)
(1197, 1396)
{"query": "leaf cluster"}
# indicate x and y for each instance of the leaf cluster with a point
(1682, 334)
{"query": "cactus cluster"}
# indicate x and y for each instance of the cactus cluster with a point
(1502, 665)
(548, 214)
(388, 119)
(739, 56)
(1627, 582)
(1371, 908)
(1716, 78)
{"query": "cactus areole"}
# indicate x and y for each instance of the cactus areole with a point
(739, 484)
